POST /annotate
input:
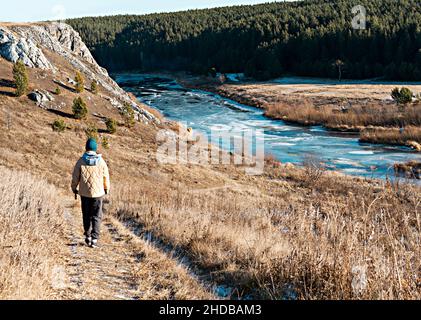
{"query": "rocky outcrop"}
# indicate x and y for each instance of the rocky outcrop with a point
(27, 42)
(14, 48)
(68, 39)
(61, 39)
(140, 113)
(40, 96)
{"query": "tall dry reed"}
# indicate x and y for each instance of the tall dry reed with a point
(31, 220)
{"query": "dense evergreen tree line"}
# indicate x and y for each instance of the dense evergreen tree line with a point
(268, 40)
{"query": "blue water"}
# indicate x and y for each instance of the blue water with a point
(204, 111)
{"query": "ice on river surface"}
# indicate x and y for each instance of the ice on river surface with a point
(288, 143)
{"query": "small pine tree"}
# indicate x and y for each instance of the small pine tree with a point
(80, 82)
(80, 110)
(111, 125)
(402, 96)
(57, 91)
(395, 94)
(20, 76)
(128, 115)
(59, 125)
(94, 87)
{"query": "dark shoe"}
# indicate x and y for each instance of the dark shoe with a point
(94, 243)
(88, 241)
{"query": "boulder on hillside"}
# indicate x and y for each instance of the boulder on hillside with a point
(40, 96)
(71, 81)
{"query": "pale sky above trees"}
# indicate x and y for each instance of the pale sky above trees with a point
(30, 10)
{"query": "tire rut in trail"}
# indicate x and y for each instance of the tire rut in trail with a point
(220, 291)
(160, 273)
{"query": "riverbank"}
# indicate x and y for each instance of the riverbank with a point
(364, 108)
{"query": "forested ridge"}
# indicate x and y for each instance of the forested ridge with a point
(306, 38)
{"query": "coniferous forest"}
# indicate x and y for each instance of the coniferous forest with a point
(306, 38)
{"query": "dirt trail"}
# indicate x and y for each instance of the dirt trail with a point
(102, 273)
(124, 267)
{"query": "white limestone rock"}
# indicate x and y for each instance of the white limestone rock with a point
(14, 48)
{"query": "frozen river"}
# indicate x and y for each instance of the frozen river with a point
(204, 111)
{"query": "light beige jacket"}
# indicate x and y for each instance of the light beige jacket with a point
(92, 180)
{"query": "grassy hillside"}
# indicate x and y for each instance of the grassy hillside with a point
(266, 40)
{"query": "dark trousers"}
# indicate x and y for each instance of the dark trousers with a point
(92, 216)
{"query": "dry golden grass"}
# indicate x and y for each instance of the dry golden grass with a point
(392, 135)
(31, 221)
(320, 90)
(156, 275)
(343, 239)
(352, 118)
(411, 169)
